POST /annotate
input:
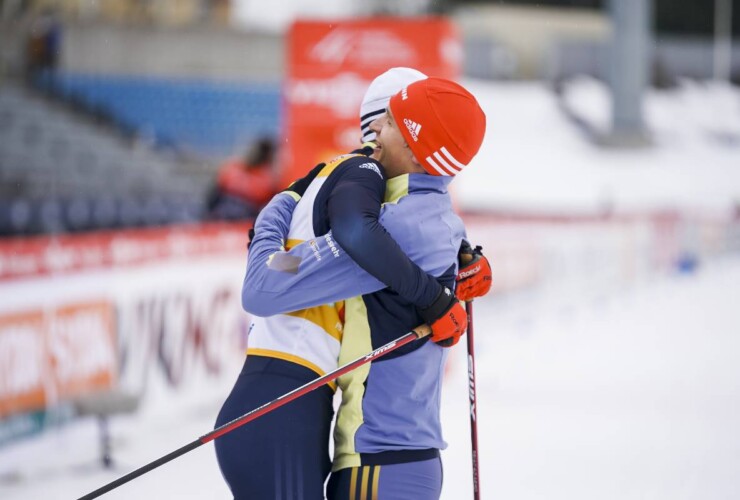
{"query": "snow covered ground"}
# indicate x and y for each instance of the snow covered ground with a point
(630, 392)
(536, 160)
(634, 396)
(631, 396)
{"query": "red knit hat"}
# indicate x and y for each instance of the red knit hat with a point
(441, 122)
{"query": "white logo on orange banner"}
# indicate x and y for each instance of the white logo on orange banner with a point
(372, 46)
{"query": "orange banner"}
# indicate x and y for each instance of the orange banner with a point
(82, 349)
(55, 355)
(330, 66)
(23, 362)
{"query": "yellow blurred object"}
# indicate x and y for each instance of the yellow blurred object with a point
(162, 13)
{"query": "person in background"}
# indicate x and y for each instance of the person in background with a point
(244, 185)
(43, 46)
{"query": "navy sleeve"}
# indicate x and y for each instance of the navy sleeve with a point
(353, 209)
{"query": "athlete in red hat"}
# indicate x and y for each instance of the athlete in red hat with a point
(388, 431)
(441, 124)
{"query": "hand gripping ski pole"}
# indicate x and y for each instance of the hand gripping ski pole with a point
(417, 333)
(473, 410)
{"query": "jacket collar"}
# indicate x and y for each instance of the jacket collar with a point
(402, 185)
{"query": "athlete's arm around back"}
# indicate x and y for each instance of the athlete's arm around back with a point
(356, 257)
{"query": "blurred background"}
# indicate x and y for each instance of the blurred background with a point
(138, 139)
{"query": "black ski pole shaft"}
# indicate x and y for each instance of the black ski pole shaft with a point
(143, 470)
(472, 397)
(417, 333)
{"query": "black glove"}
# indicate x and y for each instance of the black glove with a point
(299, 187)
(366, 149)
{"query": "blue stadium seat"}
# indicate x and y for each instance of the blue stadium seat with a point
(15, 217)
(215, 119)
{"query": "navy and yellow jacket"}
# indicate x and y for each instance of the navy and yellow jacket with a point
(393, 404)
(298, 319)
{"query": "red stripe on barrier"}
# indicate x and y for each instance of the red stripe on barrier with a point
(32, 257)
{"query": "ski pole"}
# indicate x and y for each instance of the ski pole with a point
(417, 333)
(473, 411)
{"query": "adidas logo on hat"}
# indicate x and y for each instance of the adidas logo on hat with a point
(414, 128)
(454, 124)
